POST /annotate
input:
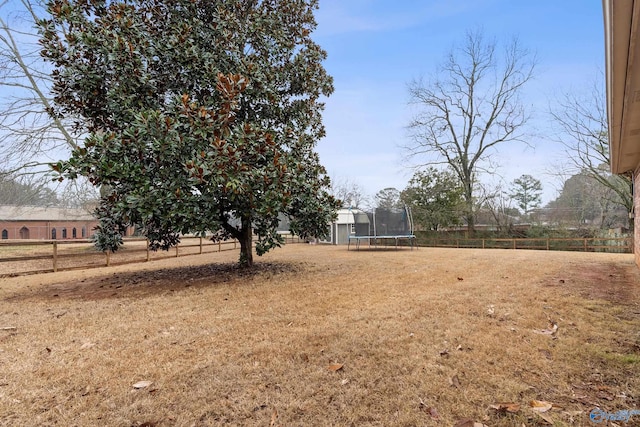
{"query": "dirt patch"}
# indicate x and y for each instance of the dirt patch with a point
(612, 282)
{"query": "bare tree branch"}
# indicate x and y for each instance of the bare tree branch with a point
(582, 119)
(468, 108)
(30, 138)
(27, 130)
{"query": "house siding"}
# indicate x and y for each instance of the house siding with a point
(636, 219)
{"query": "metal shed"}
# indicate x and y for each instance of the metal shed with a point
(350, 222)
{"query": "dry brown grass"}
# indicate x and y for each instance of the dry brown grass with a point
(424, 337)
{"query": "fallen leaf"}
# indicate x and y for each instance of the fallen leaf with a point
(506, 407)
(142, 384)
(468, 422)
(344, 382)
(433, 413)
(454, 381)
(274, 417)
(546, 418)
(551, 331)
(545, 353)
(86, 391)
(87, 345)
(335, 367)
(604, 395)
(540, 406)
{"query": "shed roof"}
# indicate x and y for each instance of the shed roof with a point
(39, 213)
(347, 216)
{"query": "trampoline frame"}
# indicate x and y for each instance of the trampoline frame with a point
(396, 238)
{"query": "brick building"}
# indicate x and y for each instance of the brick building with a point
(33, 222)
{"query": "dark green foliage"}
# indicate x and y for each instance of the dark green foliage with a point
(388, 198)
(201, 115)
(435, 198)
(109, 231)
(527, 192)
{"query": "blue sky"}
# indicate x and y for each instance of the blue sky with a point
(376, 47)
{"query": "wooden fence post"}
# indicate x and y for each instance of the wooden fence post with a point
(148, 252)
(548, 243)
(55, 256)
(200, 245)
(178, 244)
(108, 254)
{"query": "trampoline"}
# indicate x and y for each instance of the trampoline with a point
(383, 226)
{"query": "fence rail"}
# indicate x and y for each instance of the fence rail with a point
(616, 245)
(21, 257)
(44, 256)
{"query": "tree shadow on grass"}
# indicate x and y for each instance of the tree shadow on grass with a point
(146, 283)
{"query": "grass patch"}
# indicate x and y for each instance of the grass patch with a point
(319, 335)
(621, 358)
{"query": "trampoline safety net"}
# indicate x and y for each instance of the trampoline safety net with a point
(383, 222)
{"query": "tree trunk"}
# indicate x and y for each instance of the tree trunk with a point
(470, 216)
(246, 240)
(471, 224)
(468, 201)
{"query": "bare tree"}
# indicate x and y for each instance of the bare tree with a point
(585, 202)
(29, 137)
(25, 190)
(349, 192)
(498, 203)
(582, 118)
(471, 105)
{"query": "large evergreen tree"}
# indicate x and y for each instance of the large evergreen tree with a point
(200, 115)
(435, 198)
(527, 192)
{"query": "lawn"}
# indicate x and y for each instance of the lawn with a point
(318, 335)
